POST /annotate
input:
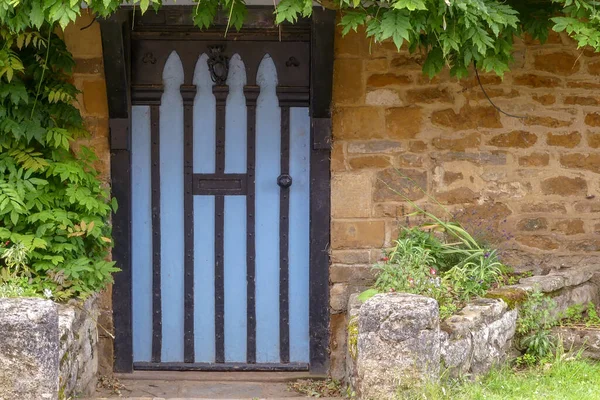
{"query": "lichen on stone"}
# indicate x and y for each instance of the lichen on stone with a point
(513, 297)
(353, 337)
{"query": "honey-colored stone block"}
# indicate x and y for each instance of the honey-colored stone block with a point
(534, 160)
(94, 97)
(589, 162)
(370, 162)
(568, 226)
(565, 186)
(467, 118)
(519, 139)
(560, 63)
(537, 81)
(592, 119)
(538, 242)
(400, 184)
(472, 140)
(348, 87)
(359, 123)
(357, 234)
(351, 195)
(546, 121)
(403, 122)
(569, 140)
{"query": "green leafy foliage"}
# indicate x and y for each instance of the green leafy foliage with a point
(54, 211)
(428, 260)
(453, 33)
(581, 21)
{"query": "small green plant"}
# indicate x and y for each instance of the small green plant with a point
(578, 314)
(526, 360)
(440, 260)
(15, 260)
(534, 326)
(573, 314)
(592, 315)
(540, 344)
(17, 288)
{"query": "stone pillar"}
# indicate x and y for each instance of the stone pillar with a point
(398, 345)
(28, 349)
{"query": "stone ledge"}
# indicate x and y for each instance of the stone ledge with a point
(557, 279)
(474, 314)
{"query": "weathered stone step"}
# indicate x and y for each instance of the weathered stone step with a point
(202, 385)
(205, 398)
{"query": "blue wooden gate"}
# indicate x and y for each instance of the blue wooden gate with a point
(220, 205)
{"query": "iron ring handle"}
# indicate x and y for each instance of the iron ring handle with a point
(284, 181)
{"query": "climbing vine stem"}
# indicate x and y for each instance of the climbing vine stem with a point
(41, 81)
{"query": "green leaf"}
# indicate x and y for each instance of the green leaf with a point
(205, 12)
(351, 21)
(395, 24)
(144, 4)
(494, 64)
(288, 10)
(434, 62)
(114, 204)
(410, 5)
(37, 14)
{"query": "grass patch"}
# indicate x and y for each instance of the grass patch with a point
(317, 387)
(563, 380)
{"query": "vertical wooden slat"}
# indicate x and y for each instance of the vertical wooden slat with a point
(219, 237)
(284, 224)
(250, 230)
(188, 206)
(219, 280)
(156, 237)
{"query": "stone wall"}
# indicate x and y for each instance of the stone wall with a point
(525, 184)
(78, 347)
(28, 349)
(396, 340)
(85, 43)
(400, 344)
(47, 351)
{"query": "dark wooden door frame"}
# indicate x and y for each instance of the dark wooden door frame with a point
(116, 50)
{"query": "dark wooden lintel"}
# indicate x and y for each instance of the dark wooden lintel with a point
(290, 96)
